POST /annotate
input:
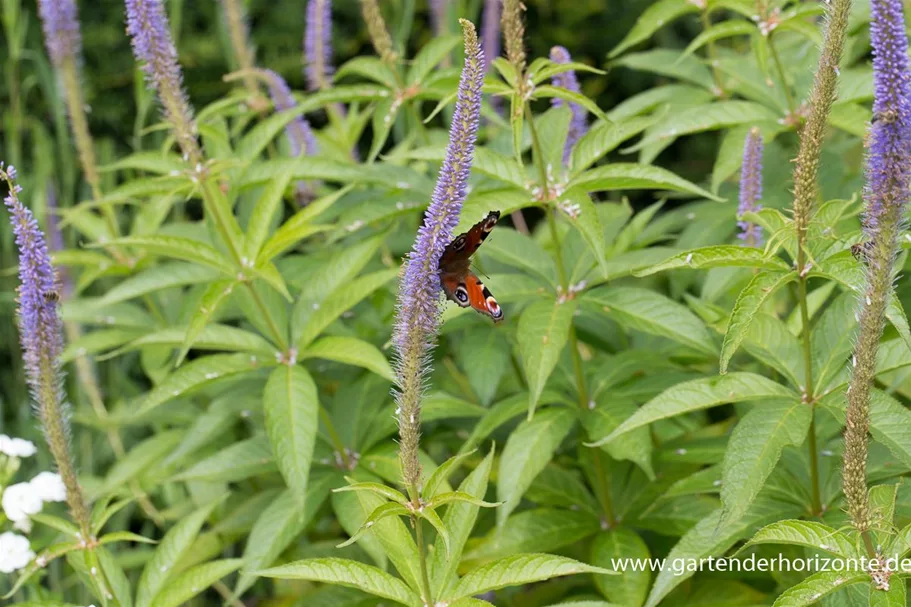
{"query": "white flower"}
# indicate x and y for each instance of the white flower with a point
(25, 525)
(49, 487)
(21, 500)
(15, 552)
(17, 447)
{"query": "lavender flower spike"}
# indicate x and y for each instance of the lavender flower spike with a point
(490, 32)
(438, 10)
(568, 81)
(417, 319)
(318, 44)
(41, 336)
(750, 188)
(886, 196)
(300, 136)
(147, 25)
(60, 22)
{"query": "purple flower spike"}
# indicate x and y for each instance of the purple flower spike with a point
(147, 25)
(60, 21)
(39, 326)
(889, 155)
(568, 81)
(490, 32)
(318, 44)
(417, 317)
(300, 136)
(750, 188)
(438, 9)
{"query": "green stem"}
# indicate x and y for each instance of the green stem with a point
(334, 436)
(815, 503)
(784, 83)
(277, 337)
(598, 472)
(422, 552)
(710, 48)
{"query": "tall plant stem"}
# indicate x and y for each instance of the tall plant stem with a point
(784, 83)
(815, 503)
(598, 471)
(422, 552)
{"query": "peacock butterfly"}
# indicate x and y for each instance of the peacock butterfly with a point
(459, 283)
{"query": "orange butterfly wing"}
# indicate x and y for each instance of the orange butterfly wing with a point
(459, 284)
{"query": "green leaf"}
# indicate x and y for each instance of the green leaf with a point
(178, 248)
(459, 520)
(650, 312)
(115, 577)
(717, 256)
(632, 176)
(336, 303)
(754, 450)
(298, 227)
(893, 597)
(699, 394)
(138, 460)
(708, 117)
(267, 205)
(542, 333)
(238, 461)
(548, 91)
(520, 251)
(833, 339)
(350, 351)
(214, 295)
(719, 31)
(652, 19)
(122, 536)
(810, 590)
(810, 534)
(890, 424)
(160, 568)
(377, 489)
(344, 572)
(163, 276)
(588, 223)
(529, 448)
(430, 56)
(517, 570)
(770, 342)
(603, 416)
(194, 374)
(603, 138)
(441, 474)
(748, 303)
(193, 581)
(538, 530)
(291, 409)
(383, 511)
(630, 588)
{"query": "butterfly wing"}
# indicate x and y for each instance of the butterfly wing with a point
(459, 284)
(455, 259)
(470, 291)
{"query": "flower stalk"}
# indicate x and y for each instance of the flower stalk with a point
(153, 47)
(806, 189)
(567, 80)
(379, 34)
(886, 195)
(239, 33)
(41, 337)
(418, 306)
(750, 188)
(318, 44)
(490, 32)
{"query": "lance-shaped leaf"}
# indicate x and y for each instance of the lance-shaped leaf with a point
(632, 176)
(810, 590)
(699, 394)
(211, 300)
(543, 332)
(179, 248)
(291, 408)
(717, 256)
(441, 474)
(193, 581)
(350, 351)
(517, 570)
(755, 448)
(383, 511)
(651, 20)
(530, 447)
(811, 534)
(349, 573)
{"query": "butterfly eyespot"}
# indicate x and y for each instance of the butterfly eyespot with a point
(461, 294)
(459, 243)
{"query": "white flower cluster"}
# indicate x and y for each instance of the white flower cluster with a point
(16, 447)
(15, 552)
(24, 499)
